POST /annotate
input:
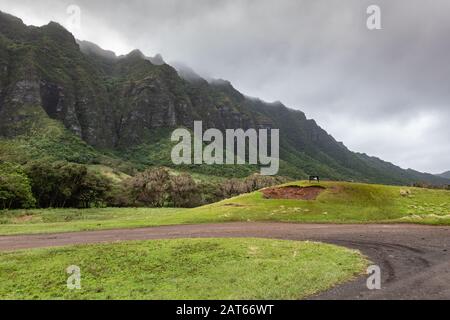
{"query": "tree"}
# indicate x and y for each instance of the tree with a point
(210, 191)
(150, 187)
(257, 182)
(15, 188)
(184, 192)
(232, 187)
(92, 191)
(120, 195)
(64, 184)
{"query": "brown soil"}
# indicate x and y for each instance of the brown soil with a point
(293, 192)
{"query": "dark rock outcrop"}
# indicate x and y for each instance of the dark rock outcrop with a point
(115, 103)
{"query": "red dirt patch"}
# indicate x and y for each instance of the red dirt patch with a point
(293, 192)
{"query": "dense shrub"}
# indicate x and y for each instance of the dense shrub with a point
(92, 191)
(232, 187)
(64, 184)
(150, 187)
(184, 192)
(256, 182)
(15, 188)
(120, 195)
(210, 192)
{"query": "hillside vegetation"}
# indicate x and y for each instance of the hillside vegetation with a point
(445, 175)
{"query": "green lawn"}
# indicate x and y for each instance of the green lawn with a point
(341, 202)
(66, 220)
(180, 269)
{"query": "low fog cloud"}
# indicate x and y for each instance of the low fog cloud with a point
(384, 92)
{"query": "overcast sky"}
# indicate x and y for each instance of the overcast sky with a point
(383, 92)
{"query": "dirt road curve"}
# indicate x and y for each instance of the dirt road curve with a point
(414, 260)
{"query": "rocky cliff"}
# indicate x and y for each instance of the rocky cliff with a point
(116, 104)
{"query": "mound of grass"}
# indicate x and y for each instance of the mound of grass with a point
(180, 269)
(340, 202)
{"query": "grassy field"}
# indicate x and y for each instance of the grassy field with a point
(340, 202)
(180, 269)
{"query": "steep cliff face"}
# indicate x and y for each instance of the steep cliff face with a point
(46, 70)
(147, 96)
(108, 101)
(118, 103)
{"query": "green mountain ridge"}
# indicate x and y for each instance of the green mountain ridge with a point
(67, 99)
(445, 175)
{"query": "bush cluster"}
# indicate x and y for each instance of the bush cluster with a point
(157, 188)
(51, 185)
(47, 184)
(235, 187)
(15, 187)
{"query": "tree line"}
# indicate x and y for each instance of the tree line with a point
(46, 184)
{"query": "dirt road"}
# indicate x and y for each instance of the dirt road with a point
(414, 260)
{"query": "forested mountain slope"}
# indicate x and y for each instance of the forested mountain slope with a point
(71, 100)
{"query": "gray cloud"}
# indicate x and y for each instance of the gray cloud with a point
(383, 92)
